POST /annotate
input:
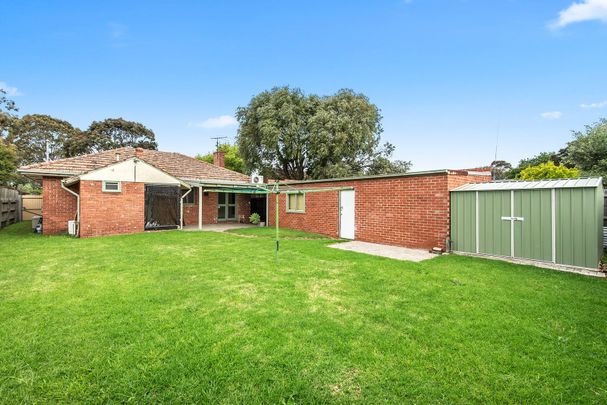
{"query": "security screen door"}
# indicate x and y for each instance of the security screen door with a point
(226, 206)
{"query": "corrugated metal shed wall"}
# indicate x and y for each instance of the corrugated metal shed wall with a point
(463, 222)
(524, 216)
(494, 234)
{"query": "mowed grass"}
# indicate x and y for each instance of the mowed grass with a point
(208, 317)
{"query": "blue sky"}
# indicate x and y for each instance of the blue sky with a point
(447, 75)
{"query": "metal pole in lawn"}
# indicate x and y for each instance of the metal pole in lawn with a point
(277, 242)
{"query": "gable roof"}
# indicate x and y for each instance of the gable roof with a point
(176, 164)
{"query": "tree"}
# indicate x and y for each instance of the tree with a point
(548, 171)
(500, 169)
(8, 111)
(39, 138)
(285, 134)
(273, 133)
(232, 159)
(543, 157)
(8, 163)
(110, 134)
(588, 151)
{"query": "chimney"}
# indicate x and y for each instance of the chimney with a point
(138, 152)
(218, 158)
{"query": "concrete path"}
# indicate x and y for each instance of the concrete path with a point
(393, 252)
(217, 227)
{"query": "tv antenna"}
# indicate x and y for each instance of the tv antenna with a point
(497, 140)
(217, 138)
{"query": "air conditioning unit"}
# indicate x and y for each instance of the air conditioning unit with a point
(72, 227)
(256, 179)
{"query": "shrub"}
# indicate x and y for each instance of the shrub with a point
(255, 218)
(548, 170)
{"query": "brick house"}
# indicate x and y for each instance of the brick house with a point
(130, 190)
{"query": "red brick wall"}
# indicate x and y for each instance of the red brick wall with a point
(103, 213)
(243, 207)
(209, 208)
(410, 211)
(58, 206)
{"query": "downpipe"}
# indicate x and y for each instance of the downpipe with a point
(77, 207)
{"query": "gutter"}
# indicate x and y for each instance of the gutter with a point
(77, 207)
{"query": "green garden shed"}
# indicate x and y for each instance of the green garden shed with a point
(558, 221)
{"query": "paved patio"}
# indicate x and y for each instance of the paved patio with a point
(217, 227)
(393, 252)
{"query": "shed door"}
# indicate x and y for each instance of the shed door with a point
(346, 214)
(533, 230)
(494, 232)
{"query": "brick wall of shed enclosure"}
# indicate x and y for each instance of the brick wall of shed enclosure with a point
(410, 211)
(58, 206)
(106, 213)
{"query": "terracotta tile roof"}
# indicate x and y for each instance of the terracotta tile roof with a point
(176, 164)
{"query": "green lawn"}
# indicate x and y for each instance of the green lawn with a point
(208, 317)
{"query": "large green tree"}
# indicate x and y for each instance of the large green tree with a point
(8, 163)
(40, 137)
(111, 133)
(284, 133)
(232, 158)
(588, 150)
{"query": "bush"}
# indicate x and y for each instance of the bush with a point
(255, 218)
(548, 170)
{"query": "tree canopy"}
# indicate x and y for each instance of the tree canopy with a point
(111, 133)
(232, 159)
(40, 137)
(588, 150)
(284, 133)
(8, 112)
(8, 162)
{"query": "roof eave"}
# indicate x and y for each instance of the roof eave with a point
(46, 172)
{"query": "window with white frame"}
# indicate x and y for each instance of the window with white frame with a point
(111, 186)
(296, 202)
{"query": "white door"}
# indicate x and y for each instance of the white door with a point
(346, 214)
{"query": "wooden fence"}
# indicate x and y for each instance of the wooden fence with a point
(10, 207)
(32, 206)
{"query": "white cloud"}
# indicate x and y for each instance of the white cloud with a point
(600, 104)
(586, 10)
(10, 91)
(551, 115)
(222, 121)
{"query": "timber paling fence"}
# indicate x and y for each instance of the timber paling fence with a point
(10, 207)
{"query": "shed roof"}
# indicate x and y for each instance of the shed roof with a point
(529, 185)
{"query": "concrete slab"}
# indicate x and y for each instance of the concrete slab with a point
(217, 227)
(393, 252)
